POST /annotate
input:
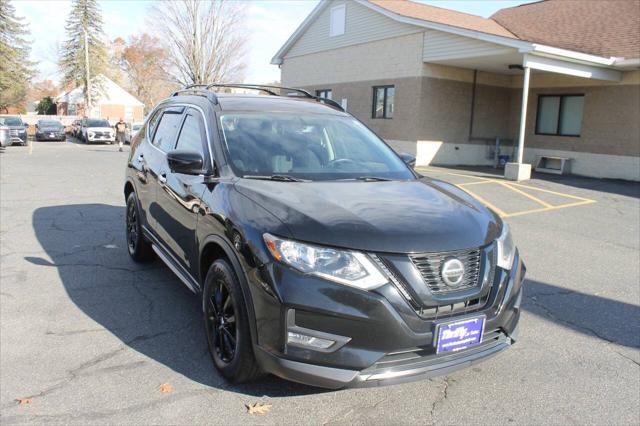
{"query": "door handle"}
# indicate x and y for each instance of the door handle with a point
(162, 178)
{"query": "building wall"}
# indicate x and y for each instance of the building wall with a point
(397, 57)
(362, 25)
(433, 105)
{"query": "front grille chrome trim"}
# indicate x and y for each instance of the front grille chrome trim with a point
(430, 267)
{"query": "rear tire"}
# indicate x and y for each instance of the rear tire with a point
(139, 248)
(226, 324)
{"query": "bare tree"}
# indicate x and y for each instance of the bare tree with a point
(205, 40)
(144, 62)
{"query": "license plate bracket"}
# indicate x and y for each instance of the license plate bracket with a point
(459, 334)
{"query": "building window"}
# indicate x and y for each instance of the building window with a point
(383, 101)
(324, 93)
(559, 115)
(337, 20)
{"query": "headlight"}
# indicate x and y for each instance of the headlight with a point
(22, 130)
(345, 267)
(506, 248)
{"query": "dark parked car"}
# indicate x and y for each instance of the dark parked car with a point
(50, 130)
(17, 130)
(319, 254)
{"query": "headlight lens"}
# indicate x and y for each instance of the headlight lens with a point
(506, 248)
(350, 268)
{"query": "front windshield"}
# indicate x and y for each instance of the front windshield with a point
(307, 146)
(11, 121)
(98, 123)
(49, 123)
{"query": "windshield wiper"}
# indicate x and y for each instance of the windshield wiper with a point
(279, 178)
(372, 179)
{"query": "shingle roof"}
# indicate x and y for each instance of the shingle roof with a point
(443, 16)
(603, 28)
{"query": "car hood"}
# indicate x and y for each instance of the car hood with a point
(397, 216)
(99, 129)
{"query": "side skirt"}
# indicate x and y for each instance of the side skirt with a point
(172, 263)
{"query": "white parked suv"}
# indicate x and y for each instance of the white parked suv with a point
(96, 130)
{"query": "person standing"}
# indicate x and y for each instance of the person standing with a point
(121, 129)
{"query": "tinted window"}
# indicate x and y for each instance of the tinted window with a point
(190, 138)
(165, 136)
(316, 147)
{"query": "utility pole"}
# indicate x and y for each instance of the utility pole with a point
(88, 75)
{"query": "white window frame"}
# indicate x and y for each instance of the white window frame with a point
(337, 23)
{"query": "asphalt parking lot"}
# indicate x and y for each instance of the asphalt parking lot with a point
(89, 337)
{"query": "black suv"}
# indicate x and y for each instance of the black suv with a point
(319, 254)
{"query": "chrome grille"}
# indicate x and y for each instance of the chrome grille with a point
(430, 267)
(13, 132)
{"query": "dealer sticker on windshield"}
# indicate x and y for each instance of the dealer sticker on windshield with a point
(454, 336)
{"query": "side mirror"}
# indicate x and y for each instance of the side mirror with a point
(185, 162)
(27, 125)
(408, 159)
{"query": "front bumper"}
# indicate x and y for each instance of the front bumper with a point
(47, 136)
(387, 342)
(20, 138)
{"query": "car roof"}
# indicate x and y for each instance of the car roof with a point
(267, 103)
(264, 103)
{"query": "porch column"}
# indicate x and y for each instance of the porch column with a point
(519, 170)
(523, 113)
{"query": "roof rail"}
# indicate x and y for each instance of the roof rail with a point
(197, 90)
(204, 90)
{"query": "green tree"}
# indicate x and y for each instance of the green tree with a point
(16, 71)
(84, 23)
(46, 106)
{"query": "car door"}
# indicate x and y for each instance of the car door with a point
(142, 154)
(179, 196)
(155, 160)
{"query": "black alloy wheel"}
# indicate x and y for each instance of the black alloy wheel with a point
(226, 324)
(139, 248)
(132, 227)
(222, 322)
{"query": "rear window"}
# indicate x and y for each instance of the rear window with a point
(49, 123)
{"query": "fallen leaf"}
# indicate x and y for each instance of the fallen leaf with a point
(166, 388)
(258, 408)
(24, 401)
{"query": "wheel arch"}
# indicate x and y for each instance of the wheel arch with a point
(215, 247)
(128, 189)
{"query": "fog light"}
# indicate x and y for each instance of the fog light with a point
(304, 340)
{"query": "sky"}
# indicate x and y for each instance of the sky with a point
(269, 24)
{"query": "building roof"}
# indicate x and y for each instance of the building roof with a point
(112, 94)
(440, 15)
(605, 28)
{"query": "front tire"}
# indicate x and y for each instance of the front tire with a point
(139, 248)
(226, 324)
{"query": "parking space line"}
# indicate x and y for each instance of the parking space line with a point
(478, 182)
(544, 209)
(483, 201)
(552, 192)
(529, 196)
